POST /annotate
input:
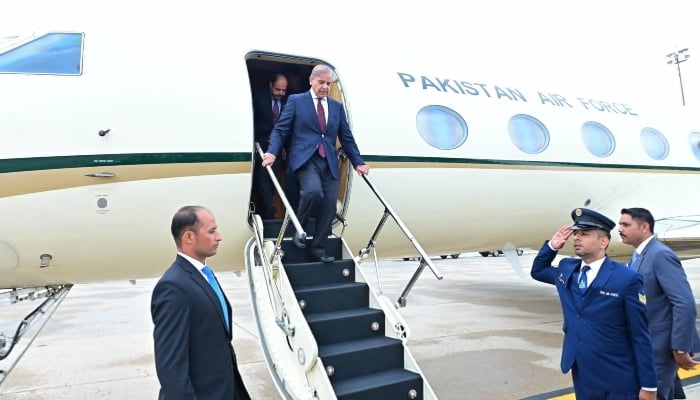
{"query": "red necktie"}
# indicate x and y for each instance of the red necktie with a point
(275, 112)
(322, 123)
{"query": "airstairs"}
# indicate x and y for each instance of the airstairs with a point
(325, 332)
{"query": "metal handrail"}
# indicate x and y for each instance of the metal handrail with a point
(289, 214)
(424, 259)
(276, 298)
(273, 292)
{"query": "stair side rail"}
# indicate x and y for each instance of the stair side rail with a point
(371, 244)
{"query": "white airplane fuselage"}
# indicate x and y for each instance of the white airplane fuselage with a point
(93, 166)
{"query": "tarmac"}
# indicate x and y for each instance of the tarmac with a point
(482, 332)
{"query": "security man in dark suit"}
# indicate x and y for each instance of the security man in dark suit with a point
(671, 303)
(606, 338)
(192, 318)
(267, 108)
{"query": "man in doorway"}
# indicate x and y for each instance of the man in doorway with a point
(312, 122)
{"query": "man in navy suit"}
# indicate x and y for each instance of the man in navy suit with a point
(671, 303)
(606, 339)
(312, 122)
(192, 318)
(267, 108)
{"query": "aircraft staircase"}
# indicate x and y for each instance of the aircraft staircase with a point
(326, 333)
(360, 360)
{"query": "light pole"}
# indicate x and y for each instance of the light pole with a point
(677, 57)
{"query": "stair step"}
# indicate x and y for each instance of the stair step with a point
(333, 297)
(347, 325)
(318, 273)
(272, 227)
(389, 385)
(293, 254)
(362, 357)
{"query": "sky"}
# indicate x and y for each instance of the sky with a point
(614, 48)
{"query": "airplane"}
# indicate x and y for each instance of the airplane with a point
(111, 123)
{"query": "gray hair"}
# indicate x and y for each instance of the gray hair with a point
(322, 69)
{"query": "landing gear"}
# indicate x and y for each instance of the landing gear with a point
(444, 256)
(496, 253)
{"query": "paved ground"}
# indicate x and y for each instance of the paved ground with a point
(480, 333)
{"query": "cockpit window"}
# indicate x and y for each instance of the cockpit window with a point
(53, 53)
(598, 139)
(441, 127)
(654, 143)
(695, 144)
(528, 133)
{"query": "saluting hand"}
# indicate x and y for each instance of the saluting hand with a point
(561, 236)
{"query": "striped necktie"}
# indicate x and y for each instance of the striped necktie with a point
(217, 289)
(275, 112)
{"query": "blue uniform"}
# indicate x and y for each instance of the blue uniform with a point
(606, 337)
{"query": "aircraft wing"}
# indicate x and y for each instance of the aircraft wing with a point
(681, 233)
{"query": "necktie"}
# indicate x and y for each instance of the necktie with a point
(633, 260)
(583, 279)
(275, 112)
(217, 289)
(322, 123)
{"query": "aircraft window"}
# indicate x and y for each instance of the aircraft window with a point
(528, 133)
(655, 143)
(695, 144)
(441, 127)
(53, 53)
(598, 139)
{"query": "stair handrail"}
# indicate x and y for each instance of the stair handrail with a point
(288, 215)
(274, 294)
(424, 259)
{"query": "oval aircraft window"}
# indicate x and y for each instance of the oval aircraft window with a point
(654, 143)
(598, 139)
(441, 127)
(528, 133)
(695, 144)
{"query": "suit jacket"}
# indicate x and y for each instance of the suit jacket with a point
(193, 352)
(606, 336)
(299, 123)
(262, 116)
(670, 300)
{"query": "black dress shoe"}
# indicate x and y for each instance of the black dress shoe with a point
(298, 241)
(323, 258)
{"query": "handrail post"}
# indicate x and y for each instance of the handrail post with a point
(403, 227)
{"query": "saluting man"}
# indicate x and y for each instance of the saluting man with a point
(606, 346)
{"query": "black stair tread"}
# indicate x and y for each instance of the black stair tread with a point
(343, 262)
(353, 312)
(326, 286)
(329, 350)
(372, 381)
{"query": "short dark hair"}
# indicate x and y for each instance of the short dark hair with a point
(640, 215)
(185, 219)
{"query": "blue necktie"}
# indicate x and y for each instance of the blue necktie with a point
(217, 289)
(634, 259)
(583, 279)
